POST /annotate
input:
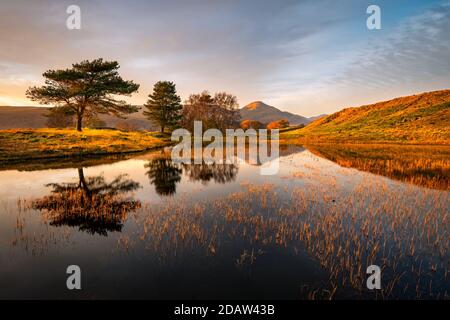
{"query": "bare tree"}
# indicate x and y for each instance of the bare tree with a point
(220, 111)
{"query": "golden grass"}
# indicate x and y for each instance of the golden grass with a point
(402, 231)
(23, 144)
(417, 119)
(345, 227)
(427, 166)
(344, 232)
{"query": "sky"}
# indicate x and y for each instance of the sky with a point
(308, 57)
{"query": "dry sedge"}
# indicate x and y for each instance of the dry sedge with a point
(345, 232)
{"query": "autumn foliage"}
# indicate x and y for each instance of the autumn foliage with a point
(251, 124)
(279, 124)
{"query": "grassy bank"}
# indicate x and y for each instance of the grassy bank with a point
(303, 138)
(425, 166)
(418, 119)
(24, 144)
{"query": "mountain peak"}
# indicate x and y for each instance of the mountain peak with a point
(265, 113)
(255, 105)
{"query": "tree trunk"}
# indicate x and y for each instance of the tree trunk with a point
(162, 129)
(82, 183)
(79, 122)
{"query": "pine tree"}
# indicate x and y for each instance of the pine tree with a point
(87, 89)
(164, 105)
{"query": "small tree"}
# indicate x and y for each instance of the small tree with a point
(87, 89)
(279, 124)
(164, 105)
(251, 124)
(220, 111)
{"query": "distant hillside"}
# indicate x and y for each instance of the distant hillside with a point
(317, 117)
(22, 117)
(33, 117)
(264, 113)
(422, 118)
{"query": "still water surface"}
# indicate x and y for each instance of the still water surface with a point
(144, 227)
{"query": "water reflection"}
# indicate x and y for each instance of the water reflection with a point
(91, 204)
(219, 173)
(308, 232)
(426, 166)
(63, 163)
(164, 174)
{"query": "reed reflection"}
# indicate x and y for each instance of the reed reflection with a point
(425, 166)
(91, 204)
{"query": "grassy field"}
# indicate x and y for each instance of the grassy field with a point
(24, 144)
(426, 166)
(417, 119)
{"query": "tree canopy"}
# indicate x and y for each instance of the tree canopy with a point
(164, 105)
(278, 124)
(251, 124)
(219, 111)
(85, 90)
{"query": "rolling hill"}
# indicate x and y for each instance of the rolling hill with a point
(264, 113)
(421, 118)
(34, 118)
(22, 117)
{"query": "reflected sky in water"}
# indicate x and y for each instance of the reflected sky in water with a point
(115, 263)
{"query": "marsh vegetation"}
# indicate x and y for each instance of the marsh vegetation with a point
(223, 231)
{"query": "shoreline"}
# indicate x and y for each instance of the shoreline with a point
(29, 145)
(312, 141)
(22, 145)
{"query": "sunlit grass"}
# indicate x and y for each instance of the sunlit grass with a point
(417, 119)
(427, 166)
(24, 144)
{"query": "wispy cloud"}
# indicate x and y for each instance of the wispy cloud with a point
(305, 56)
(412, 57)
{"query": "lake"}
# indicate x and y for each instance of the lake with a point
(143, 227)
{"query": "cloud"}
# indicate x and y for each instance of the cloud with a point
(215, 45)
(409, 58)
(417, 52)
(305, 56)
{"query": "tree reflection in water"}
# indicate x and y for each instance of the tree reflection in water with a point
(164, 175)
(93, 205)
(219, 173)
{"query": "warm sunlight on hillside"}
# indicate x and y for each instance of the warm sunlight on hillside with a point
(422, 118)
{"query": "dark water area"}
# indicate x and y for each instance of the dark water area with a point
(144, 227)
